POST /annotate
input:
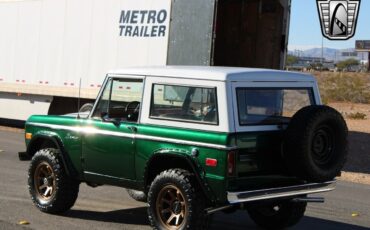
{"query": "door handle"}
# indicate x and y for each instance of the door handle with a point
(132, 128)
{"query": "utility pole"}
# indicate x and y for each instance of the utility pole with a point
(364, 46)
(322, 53)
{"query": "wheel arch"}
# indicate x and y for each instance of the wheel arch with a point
(42, 141)
(164, 159)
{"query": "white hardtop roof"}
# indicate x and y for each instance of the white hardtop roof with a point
(215, 73)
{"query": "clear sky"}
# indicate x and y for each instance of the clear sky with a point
(305, 30)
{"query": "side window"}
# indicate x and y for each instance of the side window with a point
(270, 105)
(120, 100)
(184, 103)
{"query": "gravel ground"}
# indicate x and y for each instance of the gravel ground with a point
(361, 178)
(6, 128)
(349, 108)
(359, 138)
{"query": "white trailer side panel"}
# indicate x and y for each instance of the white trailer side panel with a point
(103, 57)
(27, 42)
(48, 42)
(8, 42)
(46, 46)
(17, 107)
(51, 44)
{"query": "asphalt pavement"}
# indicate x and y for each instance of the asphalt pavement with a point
(106, 207)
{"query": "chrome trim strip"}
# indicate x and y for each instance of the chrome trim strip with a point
(102, 175)
(87, 130)
(91, 130)
(183, 142)
(53, 126)
(290, 191)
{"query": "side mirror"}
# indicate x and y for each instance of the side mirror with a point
(105, 117)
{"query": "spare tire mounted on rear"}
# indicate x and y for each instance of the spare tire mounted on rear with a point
(315, 143)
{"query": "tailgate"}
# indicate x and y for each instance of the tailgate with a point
(259, 153)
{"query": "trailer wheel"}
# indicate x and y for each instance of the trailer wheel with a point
(277, 215)
(51, 190)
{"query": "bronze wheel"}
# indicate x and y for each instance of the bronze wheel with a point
(176, 203)
(44, 181)
(171, 207)
(51, 189)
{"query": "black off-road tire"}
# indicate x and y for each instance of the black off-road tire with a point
(277, 215)
(195, 217)
(137, 195)
(65, 189)
(315, 143)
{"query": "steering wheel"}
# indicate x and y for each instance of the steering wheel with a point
(133, 106)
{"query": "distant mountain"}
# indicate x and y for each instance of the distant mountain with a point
(328, 53)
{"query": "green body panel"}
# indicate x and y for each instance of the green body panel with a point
(107, 153)
(214, 177)
(122, 161)
(71, 140)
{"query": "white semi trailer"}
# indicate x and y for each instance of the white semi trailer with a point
(47, 46)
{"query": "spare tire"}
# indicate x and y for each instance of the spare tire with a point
(315, 143)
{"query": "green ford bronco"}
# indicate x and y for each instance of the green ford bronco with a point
(191, 141)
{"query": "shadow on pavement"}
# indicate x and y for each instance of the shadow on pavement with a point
(239, 220)
(134, 216)
(316, 223)
(359, 148)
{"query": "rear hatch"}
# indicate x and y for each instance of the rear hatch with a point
(262, 113)
(259, 153)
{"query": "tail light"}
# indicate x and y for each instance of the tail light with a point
(211, 162)
(231, 163)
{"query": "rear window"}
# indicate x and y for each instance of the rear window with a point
(184, 103)
(267, 106)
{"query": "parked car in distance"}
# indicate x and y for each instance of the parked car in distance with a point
(191, 141)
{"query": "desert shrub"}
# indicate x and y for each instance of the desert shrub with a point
(348, 63)
(346, 87)
(356, 116)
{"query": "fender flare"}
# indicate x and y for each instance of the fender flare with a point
(192, 162)
(56, 140)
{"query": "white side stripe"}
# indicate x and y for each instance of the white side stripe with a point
(92, 130)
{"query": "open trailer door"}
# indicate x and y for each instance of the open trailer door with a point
(251, 33)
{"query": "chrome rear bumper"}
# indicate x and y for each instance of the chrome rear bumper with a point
(280, 192)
